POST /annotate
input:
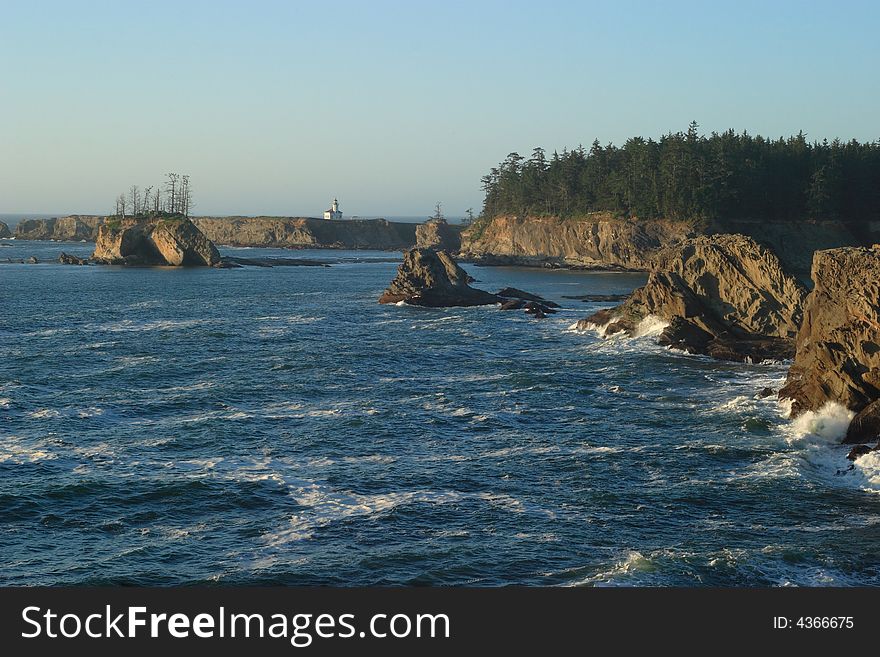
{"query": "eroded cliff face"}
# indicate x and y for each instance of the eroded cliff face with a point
(292, 232)
(74, 228)
(165, 241)
(838, 345)
(602, 241)
(725, 295)
(4, 230)
(438, 234)
(599, 241)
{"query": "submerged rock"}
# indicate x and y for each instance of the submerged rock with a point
(154, 241)
(514, 293)
(725, 296)
(838, 346)
(432, 278)
(67, 259)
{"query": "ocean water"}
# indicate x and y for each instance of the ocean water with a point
(278, 426)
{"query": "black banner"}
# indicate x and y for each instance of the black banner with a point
(274, 621)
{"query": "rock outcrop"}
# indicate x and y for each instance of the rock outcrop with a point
(838, 345)
(437, 234)
(305, 232)
(432, 278)
(725, 296)
(155, 241)
(75, 228)
(4, 230)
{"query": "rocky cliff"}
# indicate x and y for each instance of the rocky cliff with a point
(438, 234)
(74, 228)
(159, 241)
(725, 296)
(838, 345)
(303, 232)
(4, 230)
(599, 241)
(602, 241)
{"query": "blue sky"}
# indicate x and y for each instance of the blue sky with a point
(275, 107)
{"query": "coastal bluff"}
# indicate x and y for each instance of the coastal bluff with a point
(601, 240)
(724, 296)
(4, 231)
(173, 241)
(280, 232)
(306, 232)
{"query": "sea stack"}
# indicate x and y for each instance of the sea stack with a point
(432, 278)
(725, 296)
(156, 240)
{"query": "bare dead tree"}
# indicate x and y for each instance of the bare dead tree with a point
(185, 195)
(157, 199)
(172, 190)
(134, 198)
(145, 204)
(120, 204)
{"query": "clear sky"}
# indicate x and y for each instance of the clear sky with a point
(277, 106)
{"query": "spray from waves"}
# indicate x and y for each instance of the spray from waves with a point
(815, 437)
(824, 427)
(648, 327)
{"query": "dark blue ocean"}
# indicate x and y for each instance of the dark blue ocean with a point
(278, 426)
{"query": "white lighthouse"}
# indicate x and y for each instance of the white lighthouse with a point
(334, 212)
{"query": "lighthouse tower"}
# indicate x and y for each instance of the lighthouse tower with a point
(334, 212)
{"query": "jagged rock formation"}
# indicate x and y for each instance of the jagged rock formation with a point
(156, 241)
(604, 242)
(432, 278)
(725, 296)
(303, 232)
(838, 345)
(74, 228)
(4, 230)
(437, 234)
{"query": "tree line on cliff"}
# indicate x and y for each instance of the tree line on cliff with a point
(687, 175)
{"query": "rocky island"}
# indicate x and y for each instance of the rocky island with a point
(154, 240)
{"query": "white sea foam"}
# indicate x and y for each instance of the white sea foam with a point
(12, 450)
(867, 471)
(823, 427)
(650, 326)
(44, 413)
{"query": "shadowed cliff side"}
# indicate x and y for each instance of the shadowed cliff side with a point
(4, 230)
